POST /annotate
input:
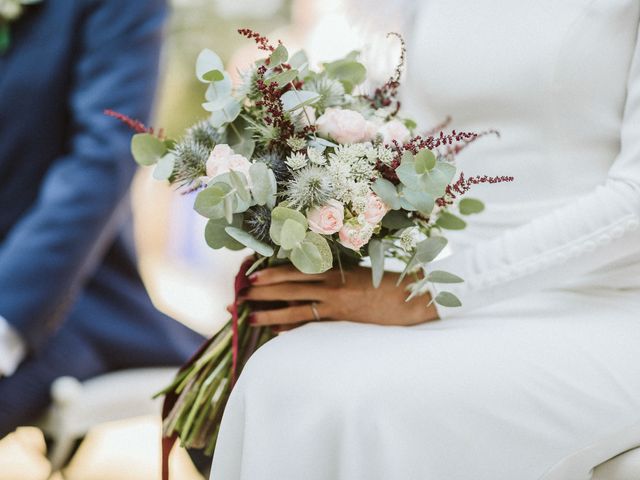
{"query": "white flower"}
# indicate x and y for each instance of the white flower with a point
(223, 159)
(394, 130)
(10, 9)
(344, 126)
(409, 239)
(316, 156)
(296, 161)
(296, 143)
(385, 155)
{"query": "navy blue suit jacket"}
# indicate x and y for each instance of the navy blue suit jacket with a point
(66, 249)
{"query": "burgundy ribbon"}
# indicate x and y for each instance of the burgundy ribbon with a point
(241, 284)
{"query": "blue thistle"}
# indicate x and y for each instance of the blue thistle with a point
(257, 222)
(276, 163)
(309, 187)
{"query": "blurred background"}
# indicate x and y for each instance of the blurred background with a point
(186, 279)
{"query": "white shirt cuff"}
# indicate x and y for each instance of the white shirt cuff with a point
(12, 349)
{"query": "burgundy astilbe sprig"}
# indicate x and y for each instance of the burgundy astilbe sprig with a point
(454, 150)
(262, 41)
(463, 185)
(385, 95)
(274, 111)
(135, 125)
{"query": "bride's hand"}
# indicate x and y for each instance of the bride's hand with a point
(354, 300)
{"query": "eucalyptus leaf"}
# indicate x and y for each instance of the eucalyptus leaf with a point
(164, 167)
(420, 200)
(209, 202)
(425, 160)
(295, 99)
(300, 61)
(376, 253)
(469, 206)
(216, 236)
(207, 61)
(281, 214)
(214, 76)
(239, 182)
(407, 174)
(387, 192)
(147, 149)
(439, 276)
(447, 299)
(279, 55)
(435, 181)
(429, 248)
(225, 114)
(240, 139)
(323, 247)
(292, 234)
(263, 183)
(218, 94)
(228, 207)
(349, 72)
(307, 258)
(283, 78)
(396, 219)
(249, 241)
(449, 221)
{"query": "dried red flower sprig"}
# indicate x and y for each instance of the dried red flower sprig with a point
(274, 111)
(463, 185)
(454, 150)
(262, 41)
(385, 95)
(135, 125)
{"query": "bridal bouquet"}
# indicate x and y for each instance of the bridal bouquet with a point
(300, 165)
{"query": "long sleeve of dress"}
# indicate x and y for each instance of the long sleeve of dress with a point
(587, 233)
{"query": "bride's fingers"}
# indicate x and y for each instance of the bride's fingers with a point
(285, 273)
(285, 291)
(285, 328)
(287, 316)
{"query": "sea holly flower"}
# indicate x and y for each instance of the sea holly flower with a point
(316, 156)
(327, 219)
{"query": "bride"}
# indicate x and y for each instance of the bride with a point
(538, 374)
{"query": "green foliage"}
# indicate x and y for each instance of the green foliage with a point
(217, 237)
(387, 192)
(209, 202)
(279, 216)
(147, 149)
(449, 221)
(280, 55)
(263, 184)
(418, 200)
(447, 299)
(227, 113)
(292, 234)
(250, 242)
(469, 206)
(164, 167)
(414, 173)
(283, 78)
(428, 249)
(439, 276)
(425, 161)
(347, 71)
(295, 99)
(376, 253)
(206, 62)
(396, 219)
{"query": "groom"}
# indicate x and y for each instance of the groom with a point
(71, 300)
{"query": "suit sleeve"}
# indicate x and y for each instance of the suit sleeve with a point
(49, 254)
(584, 235)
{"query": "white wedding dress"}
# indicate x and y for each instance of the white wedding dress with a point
(538, 374)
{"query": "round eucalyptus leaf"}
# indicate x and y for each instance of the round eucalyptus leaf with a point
(429, 248)
(292, 234)
(323, 247)
(469, 206)
(279, 55)
(283, 78)
(281, 214)
(216, 236)
(207, 61)
(387, 192)
(425, 161)
(226, 113)
(306, 258)
(295, 99)
(164, 167)
(449, 221)
(263, 185)
(147, 149)
(421, 201)
(209, 202)
(396, 219)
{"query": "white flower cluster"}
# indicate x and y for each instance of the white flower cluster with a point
(296, 161)
(409, 239)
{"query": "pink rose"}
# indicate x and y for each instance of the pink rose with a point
(355, 235)
(326, 219)
(223, 159)
(394, 130)
(344, 126)
(375, 209)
